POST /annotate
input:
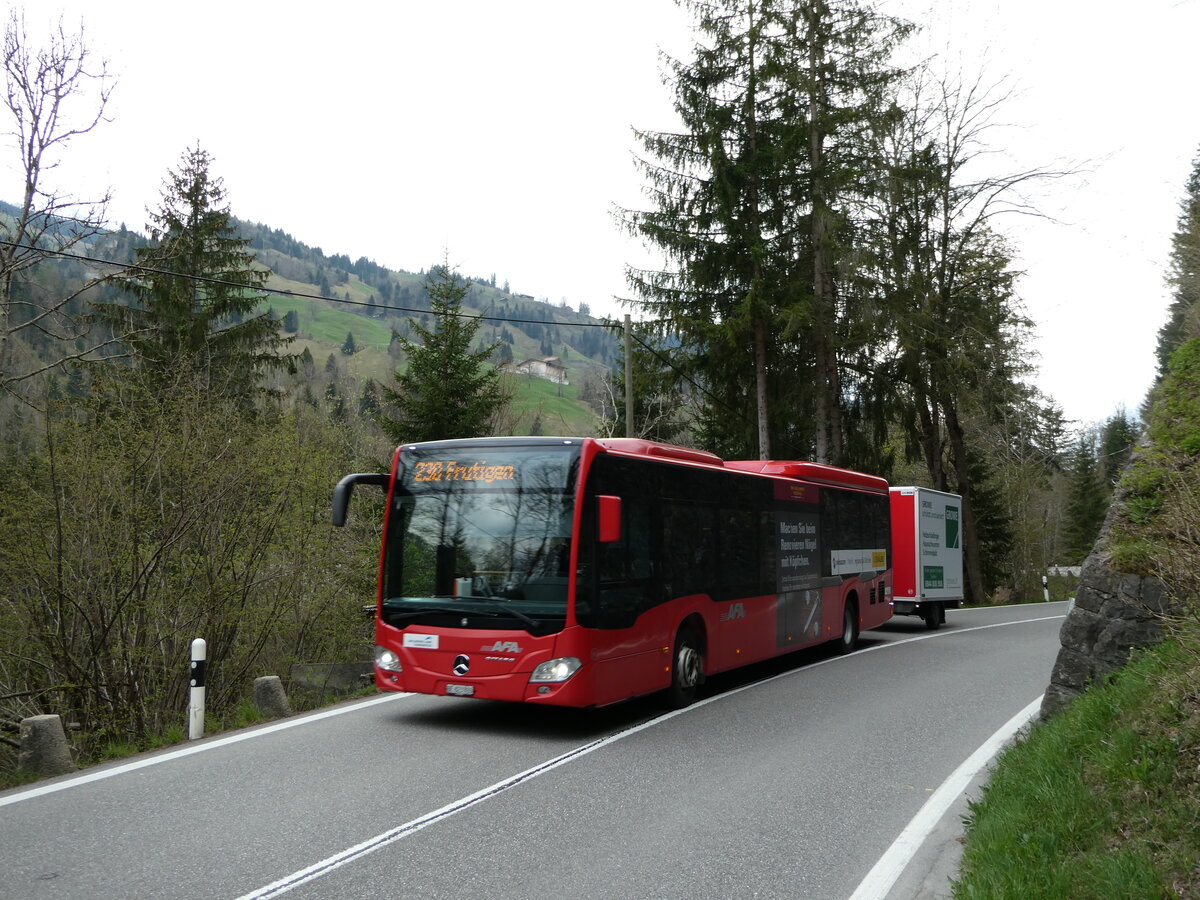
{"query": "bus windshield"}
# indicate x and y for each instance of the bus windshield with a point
(480, 534)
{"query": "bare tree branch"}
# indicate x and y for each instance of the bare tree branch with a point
(53, 94)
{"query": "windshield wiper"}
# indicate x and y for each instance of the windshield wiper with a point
(495, 613)
(425, 610)
(492, 601)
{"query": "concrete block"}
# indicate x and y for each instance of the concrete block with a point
(44, 749)
(270, 698)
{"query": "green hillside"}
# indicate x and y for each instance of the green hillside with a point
(332, 297)
(327, 323)
(550, 408)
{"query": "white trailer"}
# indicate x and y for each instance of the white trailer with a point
(927, 570)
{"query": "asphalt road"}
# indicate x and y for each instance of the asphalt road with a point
(789, 780)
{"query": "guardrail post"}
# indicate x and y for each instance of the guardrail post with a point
(196, 696)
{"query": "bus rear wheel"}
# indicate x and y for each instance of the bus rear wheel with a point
(687, 668)
(849, 638)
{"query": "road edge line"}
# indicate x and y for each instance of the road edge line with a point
(886, 872)
(88, 776)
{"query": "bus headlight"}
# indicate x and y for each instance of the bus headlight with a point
(387, 660)
(555, 670)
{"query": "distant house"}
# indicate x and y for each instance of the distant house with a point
(549, 368)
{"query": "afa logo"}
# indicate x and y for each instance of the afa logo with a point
(502, 647)
(736, 611)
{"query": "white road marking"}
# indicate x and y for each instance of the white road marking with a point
(190, 749)
(392, 835)
(887, 871)
(285, 884)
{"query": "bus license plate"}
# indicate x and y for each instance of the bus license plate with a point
(460, 690)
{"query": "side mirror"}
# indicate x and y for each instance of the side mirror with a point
(341, 493)
(609, 508)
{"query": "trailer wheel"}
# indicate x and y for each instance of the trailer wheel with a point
(687, 668)
(933, 616)
(849, 638)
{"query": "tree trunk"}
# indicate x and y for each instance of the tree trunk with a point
(929, 433)
(972, 564)
(827, 409)
(756, 242)
(760, 386)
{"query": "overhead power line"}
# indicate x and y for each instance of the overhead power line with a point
(610, 324)
(280, 292)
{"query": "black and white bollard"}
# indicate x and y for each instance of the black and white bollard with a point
(196, 697)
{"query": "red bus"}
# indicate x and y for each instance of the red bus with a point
(583, 572)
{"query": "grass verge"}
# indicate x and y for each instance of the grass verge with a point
(1103, 800)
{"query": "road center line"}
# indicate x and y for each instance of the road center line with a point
(887, 871)
(391, 836)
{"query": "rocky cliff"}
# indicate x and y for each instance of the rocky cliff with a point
(1114, 613)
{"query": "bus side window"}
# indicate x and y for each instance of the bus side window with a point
(739, 553)
(768, 553)
(828, 533)
(611, 558)
(689, 548)
(638, 524)
(629, 557)
(625, 569)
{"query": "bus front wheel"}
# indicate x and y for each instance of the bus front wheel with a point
(687, 669)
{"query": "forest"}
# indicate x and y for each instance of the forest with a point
(176, 405)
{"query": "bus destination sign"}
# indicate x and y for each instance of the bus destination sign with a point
(453, 470)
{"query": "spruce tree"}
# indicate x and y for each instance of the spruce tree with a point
(753, 200)
(1087, 501)
(368, 401)
(714, 219)
(1117, 440)
(1183, 319)
(196, 288)
(446, 391)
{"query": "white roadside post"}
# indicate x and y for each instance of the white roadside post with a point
(196, 696)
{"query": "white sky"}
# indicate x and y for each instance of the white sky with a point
(500, 134)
